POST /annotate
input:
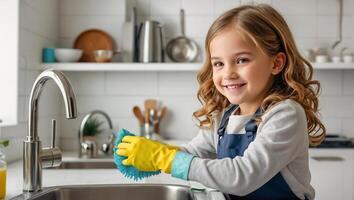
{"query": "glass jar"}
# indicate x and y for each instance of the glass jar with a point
(2, 176)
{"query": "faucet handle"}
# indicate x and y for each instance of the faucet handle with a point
(54, 131)
(51, 157)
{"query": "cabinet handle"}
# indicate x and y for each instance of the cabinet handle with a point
(0, 120)
(327, 158)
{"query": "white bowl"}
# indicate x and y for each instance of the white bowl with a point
(68, 55)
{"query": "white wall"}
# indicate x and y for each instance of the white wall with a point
(313, 23)
(38, 28)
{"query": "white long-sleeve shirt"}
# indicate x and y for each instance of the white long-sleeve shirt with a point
(281, 145)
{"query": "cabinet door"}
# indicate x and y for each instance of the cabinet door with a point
(331, 174)
(9, 34)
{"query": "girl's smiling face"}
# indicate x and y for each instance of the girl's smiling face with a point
(242, 72)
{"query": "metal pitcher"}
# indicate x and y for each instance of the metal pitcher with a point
(151, 42)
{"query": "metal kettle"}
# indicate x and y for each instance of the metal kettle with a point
(150, 40)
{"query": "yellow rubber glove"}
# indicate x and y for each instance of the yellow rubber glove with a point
(147, 155)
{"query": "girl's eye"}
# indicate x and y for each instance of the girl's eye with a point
(242, 60)
(218, 64)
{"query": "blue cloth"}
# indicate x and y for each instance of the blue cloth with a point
(181, 164)
(234, 144)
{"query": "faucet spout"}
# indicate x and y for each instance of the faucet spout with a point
(66, 90)
(34, 157)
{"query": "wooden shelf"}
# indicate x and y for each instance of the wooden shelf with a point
(163, 66)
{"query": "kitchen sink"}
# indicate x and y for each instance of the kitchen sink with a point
(112, 192)
(87, 164)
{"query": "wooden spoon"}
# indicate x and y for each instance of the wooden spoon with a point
(150, 104)
(162, 113)
(138, 114)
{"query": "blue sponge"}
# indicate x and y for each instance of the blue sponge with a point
(129, 171)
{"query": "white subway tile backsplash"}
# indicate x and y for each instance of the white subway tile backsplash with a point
(302, 25)
(13, 132)
(222, 6)
(131, 83)
(348, 7)
(337, 106)
(72, 26)
(198, 26)
(198, 7)
(331, 81)
(178, 83)
(87, 83)
(327, 26)
(348, 83)
(70, 127)
(300, 7)
(165, 7)
(22, 105)
(180, 110)
(327, 7)
(114, 106)
(21, 81)
(31, 76)
(247, 2)
(348, 22)
(43, 23)
(143, 7)
(347, 127)
(92, 7)
(263, 1)
(333, 125)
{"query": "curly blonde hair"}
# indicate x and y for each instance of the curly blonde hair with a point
(267, 29)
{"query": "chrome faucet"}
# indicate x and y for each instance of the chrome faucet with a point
(86, 149)
(34, 157)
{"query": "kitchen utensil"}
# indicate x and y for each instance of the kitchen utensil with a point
(340, 23)
(150, 104)
(138, 114)
(135, 36)
(161, 113)
(151, 42)
(91, 40)
(103, 55)
(67, 54)
(182, 49)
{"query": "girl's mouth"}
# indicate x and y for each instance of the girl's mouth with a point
(234, 86)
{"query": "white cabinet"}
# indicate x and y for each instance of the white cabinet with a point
(332, 173)
(9, 20)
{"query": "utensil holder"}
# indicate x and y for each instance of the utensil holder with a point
(147, 130)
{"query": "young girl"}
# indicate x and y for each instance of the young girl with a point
(258, 115)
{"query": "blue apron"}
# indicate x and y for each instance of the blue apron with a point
(232, 145)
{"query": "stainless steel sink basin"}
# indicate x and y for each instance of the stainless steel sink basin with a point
(87, 164)
(113, 192)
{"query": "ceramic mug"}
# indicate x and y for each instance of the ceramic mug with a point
(347, 58)
(48, 55)
(321, 58)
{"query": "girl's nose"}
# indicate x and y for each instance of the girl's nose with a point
(230, 71)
